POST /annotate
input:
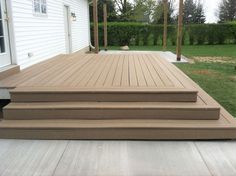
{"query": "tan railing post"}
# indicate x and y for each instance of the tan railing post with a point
(179, 35)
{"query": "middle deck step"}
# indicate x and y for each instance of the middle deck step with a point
(30, 94)
(110, 110)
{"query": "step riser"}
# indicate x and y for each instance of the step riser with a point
(187, 114)
(104, 97)
(119, 134)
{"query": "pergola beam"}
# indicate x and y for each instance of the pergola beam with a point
(180, 28)
(165, 2)
(165, 10)
(95, 23)
(105, 25)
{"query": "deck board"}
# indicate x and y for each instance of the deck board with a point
(146, 73)
(118, 74)
(98, 71)
(132, 72)
(139, 72)
(102, 77)
(125, 73)
(111, 74)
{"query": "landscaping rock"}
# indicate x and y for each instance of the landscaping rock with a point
(124, 48)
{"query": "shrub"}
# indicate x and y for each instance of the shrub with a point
(130, 33)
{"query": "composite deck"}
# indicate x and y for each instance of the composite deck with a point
(99, 71)
(111, 96)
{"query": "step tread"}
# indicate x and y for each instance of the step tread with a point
(111, 105)
(8, 67)
(118, 129)
(223, 122)
(8, 71)
(96, 94)
(53, 90)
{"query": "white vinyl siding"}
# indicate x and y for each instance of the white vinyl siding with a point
(44, 37)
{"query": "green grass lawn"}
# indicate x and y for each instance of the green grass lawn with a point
(217, 79)
(192, 50)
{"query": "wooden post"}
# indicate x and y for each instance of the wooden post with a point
(165, 10)
(95, 23)
(179, 35)
(105, 25)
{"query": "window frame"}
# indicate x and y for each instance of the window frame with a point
(40, 12)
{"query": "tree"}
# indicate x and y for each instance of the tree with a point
(112, 15)
(227, 10)
(124, 10)
(143, 10)
(193, 12)
(158, 14)
(199, 15)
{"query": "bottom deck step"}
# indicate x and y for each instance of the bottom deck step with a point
(118, 129)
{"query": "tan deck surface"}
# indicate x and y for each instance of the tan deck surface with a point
(99, 71)
(124, 71)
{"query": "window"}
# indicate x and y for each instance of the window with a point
(2, 38)
(40, 6)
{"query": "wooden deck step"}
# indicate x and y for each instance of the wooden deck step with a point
(8, 71)
(111, 110)
(224, 128)
(53, 94)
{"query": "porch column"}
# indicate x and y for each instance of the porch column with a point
(165, 10)
(95, 23)
(179, 35)
(105, 25)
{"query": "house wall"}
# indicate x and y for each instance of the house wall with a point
(44, 36)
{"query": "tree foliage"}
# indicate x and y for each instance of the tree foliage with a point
(227, 10)
(111, 15)
(158, 15)
(124, 10)
(143, 10)
(149, 11)
(193, 12)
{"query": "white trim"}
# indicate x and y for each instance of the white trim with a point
(1, 54)
(11, 33)
(70, 47)
(89, 33)
(37, 14)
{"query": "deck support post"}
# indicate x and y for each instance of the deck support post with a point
(95, 23)
(165, 10)
(105, 25)
(179, 35)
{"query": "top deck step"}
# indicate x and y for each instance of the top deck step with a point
(8, 71)
(53, 94)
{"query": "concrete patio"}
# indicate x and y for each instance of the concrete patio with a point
(117, 158)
